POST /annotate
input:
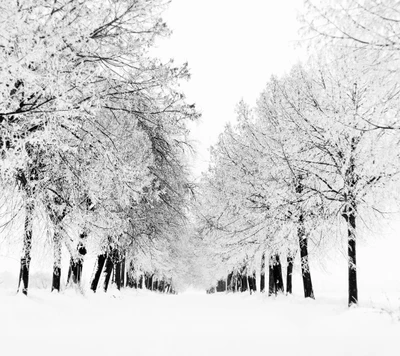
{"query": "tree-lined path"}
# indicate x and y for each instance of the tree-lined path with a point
(105, 222)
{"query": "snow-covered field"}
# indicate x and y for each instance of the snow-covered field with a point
(194, 323)
(146, 323)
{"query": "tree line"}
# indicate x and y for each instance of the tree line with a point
(316, 160)
(93, 137)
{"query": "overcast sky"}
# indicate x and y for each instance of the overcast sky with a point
(232, 47)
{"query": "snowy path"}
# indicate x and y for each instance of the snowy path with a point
(190, 324)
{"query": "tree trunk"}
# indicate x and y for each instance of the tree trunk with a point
(107, 272)
(305, 266)
(75, 270)
(56, 282)
(161, 286)
(289, 273)
(278, 275)
(254, 281)
(118, 274)
(262, 274)
(221, 286)
(350, 218)
(303, 243)
(123, 260)
(27, 247)
(130, 275)
(229, 282)
(238, 282)
(98, 268)
(275, 275)
(244, 282)
(234, 282)
(250, 283)
(146, 280)
(349, 214)
(271, 278)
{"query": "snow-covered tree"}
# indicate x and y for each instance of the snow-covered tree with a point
(247, 198)
(323, 108)
(84, 110)
(307, 161)
(368, 29)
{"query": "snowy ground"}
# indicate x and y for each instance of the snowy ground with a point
(191, 324)
(146, 323)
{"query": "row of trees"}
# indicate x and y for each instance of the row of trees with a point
(240, 280)
(93, 133)
(318, 156)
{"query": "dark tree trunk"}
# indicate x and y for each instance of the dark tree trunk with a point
(26, 253)
(238, 282)
(123, 272)
(303, 243)
(140, 283)
(253, 282)
(117, 274)
(305, 266)
(77, 271)
(57, 215)
(161, 286)
(113, 274)
(278, 275)
(98, 268)
(155, 284)
(262, 274)
(349, 214)
(130, 276)
(350, 218)
(221, 286)
(275, 275)
(76, 263)
(229, 282)
(146, 280)
(250, 284)
(234, 282)
(243, 275)
(107, 272)
(244, 282)
(56, 282)
(271, 278)
(289, 273)
(69, 271)
(129, 279)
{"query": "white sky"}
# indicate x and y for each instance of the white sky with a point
(232, 47)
